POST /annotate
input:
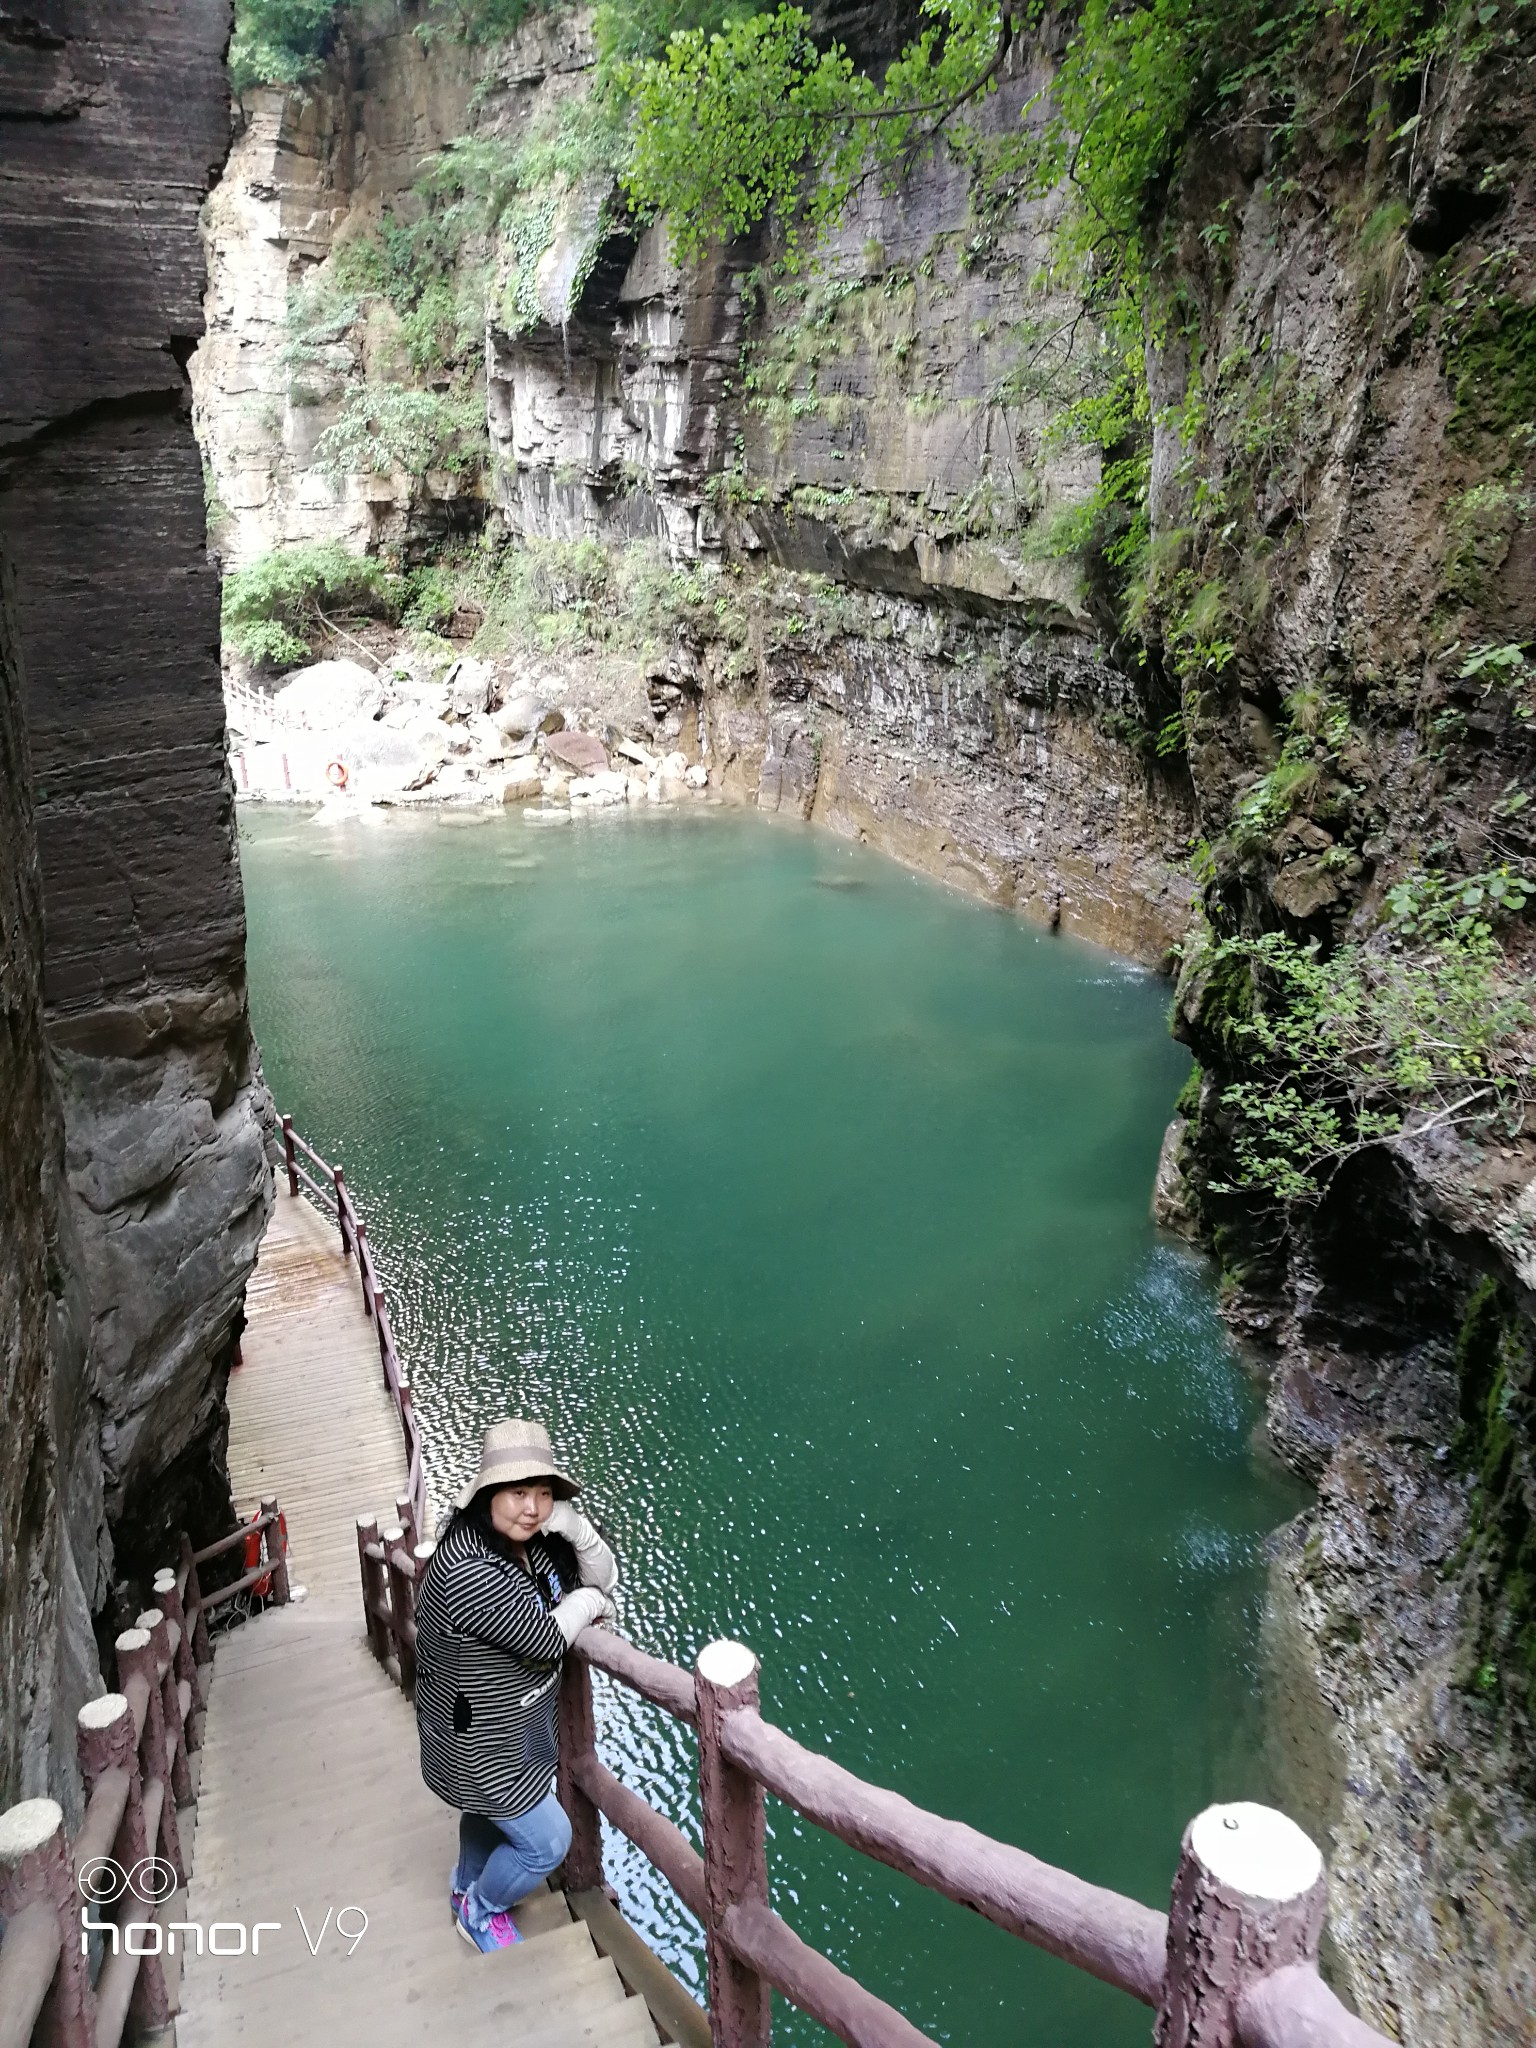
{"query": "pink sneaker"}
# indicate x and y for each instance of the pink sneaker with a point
(498, 1931)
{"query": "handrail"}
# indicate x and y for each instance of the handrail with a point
(1268, 1981)
(135, 1749)
(1108, 1936)
(1224, 1965)
(337, 1204)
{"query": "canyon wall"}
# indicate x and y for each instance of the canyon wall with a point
(134, 1186)
(962, 715)
(1364, 436)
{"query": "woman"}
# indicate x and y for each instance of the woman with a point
(517, 1575)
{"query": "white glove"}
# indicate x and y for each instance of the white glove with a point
(597, 1563)
(580, 1609)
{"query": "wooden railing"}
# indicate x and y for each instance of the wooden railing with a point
(1232, 1964)
(136, 1749)
(331, 1195)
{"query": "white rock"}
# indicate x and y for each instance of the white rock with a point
(469, 684)
(328, 693)
(521, 783)
(487, 735)
(675, 764)
(606, 787)
(641, 756)
(524, 714)
(696, 777)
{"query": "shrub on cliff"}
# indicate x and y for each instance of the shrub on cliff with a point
(279, 42)
(276, 608)
(1422, 1026)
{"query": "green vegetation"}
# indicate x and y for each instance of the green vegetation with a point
(276, 610)
(388, 427)
(1417, 1027)
(552, 597)
(280, 42)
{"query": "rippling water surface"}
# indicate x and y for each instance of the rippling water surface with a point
(808, 1203)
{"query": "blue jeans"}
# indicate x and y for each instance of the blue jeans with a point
(504, 1860)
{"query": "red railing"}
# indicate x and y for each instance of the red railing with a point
(333, 1198)
(1232, 1964)
(136, 1748)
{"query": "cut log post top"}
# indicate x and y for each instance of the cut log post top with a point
(1248, 1899)
(735, 1845)
(24, 1831)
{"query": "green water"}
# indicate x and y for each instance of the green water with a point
(808, 1203)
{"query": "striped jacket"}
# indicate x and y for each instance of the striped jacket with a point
(488, 1658)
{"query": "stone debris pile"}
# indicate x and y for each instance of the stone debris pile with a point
(416, 733)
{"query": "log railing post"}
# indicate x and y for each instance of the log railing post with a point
(152, 1621)
(289, 1159)
(1248, 1899)
(136, 1654)
(360, 1239)
(405, 1515)
(192, 1600)
(341, 1210)
(402, 1602)
(378, 1635)
(735, 1846)
(578, 1739)
(276, 1556)
(104, 1735)
(168, 1600)
(37, 1868)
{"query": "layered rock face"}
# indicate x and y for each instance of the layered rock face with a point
(962, 716)
(305, 170)
(134, 1183)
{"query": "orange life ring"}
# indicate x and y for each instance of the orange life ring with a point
(336, 775)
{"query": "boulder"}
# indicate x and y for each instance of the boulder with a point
(469, 684)
(487, 735)
(521, 782)
(328, 694)
(643, 757)
(696, 777)
(582, 752)
(525, 713)
(603, 788)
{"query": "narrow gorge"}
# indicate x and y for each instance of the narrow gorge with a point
(135, 1188)
(1107, 488)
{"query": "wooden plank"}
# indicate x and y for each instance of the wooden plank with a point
(679, 2017)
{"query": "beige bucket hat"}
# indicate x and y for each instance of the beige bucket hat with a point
(517, 1449)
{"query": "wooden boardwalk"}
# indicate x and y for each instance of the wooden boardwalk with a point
(311, 1799)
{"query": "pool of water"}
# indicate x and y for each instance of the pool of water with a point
(808, 1203)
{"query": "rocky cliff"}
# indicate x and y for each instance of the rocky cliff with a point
(962, 714)
(1305, 713)
(133, 1183)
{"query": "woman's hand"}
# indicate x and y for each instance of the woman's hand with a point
(564, 1520)
(597, 1563)
(580, 1610)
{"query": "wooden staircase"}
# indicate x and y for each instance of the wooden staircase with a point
(311, 1798)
